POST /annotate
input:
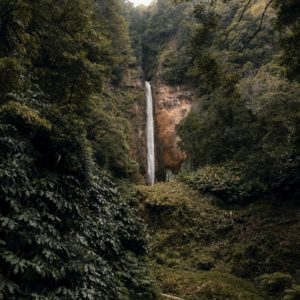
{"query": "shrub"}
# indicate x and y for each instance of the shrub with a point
(224, 181)
(10, 71)
(276, 282)
(292, 293)
(65, 236)
(21, 114)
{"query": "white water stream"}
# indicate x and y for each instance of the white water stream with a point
(150, 135)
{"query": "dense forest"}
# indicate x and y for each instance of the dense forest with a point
(77, 220)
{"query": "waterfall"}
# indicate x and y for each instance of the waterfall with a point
(150, 135)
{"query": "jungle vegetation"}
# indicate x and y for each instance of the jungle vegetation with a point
(68, 228)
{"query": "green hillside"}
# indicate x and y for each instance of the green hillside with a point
(202, 248)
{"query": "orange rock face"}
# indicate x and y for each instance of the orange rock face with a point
(172, 105)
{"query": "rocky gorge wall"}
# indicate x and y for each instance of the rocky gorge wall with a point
(172, 105)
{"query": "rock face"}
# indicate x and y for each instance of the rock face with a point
(172, 105)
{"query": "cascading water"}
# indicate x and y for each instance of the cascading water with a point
(150, 135)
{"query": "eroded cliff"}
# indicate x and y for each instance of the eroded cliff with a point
(172, 105)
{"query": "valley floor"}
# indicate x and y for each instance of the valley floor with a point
(201, 249)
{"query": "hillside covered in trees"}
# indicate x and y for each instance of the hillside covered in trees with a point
(66, 232)
(77, 220)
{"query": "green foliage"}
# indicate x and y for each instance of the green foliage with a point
(62, 57)
(292, 294)
(111, 140)
(71, 236)
(265, 143)
(225, 181)
(165, 40)
(111, 19)
(276, 282)
(190, 230)
(15, 113)
(10, 70)
(137, 18)
(175, 67)
(289, 26)
(206, 285)
(247, 111)
(223, 131)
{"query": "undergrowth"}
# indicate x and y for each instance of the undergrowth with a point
(203, 248)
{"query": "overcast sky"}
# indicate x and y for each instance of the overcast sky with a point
(138, 2)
